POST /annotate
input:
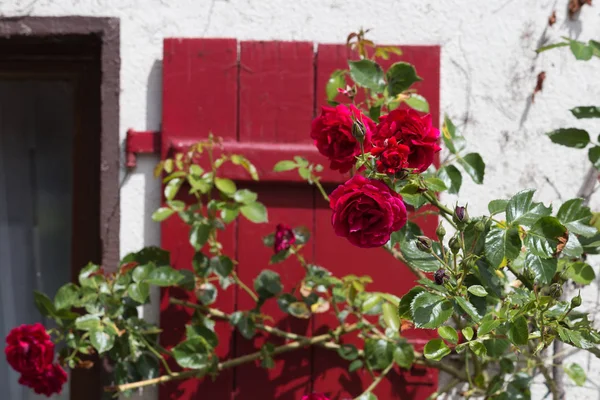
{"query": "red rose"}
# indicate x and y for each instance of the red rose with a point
(284, 238)
(29, 349)
(412, 130)
(49, 382)
(315, 396)
(332, 133)
(366, 211)
(392, 157)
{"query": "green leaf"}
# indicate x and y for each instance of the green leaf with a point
(199, 234)
(372, 300)
(478, 290)
(44, 304)
(141, 272)
(404, 355)
(576, 217)
(147, 367)
(467, 333)
(435, 184)
(424, 261)
(268, 284)
(453, 141)
(586, 112)
(406, 300)
(222, 265)
(368, 74)
(244, 162)
(192, 353)
(400, 76)
(210, 336)
(451, 177)
(164, 276)
(430, 310)
(390, 316)
(543, 269)
(207, 293)
(418, 103)
(378, 353)
(162, 213)
(497, 206)
(487, 325)
(573, 248)
(336, 81)
(355, 365)
(570, 137)
(226, 186)
(255, 212)
(580, 272)
(522, 210)
(299, 309)
(448, 333)
(348, 351)
(88, 270)
(594, 156)
(88, 322)
(101, 340)
(139, 292)
(201, 265)
(474, 166)
(518, 332)
(502, 245)
(576, 373)
(469, 308)
(285, 165)
(580, 50)
(172, 187)
(543, 237)
(245, 196)
(302, 234)
(435, 350)
(66, 297)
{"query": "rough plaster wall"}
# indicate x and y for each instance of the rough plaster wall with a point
(488, 72)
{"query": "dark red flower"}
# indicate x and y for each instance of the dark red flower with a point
(284, 238)
(366, 211)
(29, 349)
(391, 156)
(315, 396)
(332, 133)
(410, 129)
(49, 382)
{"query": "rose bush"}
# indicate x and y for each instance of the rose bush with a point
(490, 285)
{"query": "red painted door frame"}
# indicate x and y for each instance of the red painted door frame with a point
(262, 102)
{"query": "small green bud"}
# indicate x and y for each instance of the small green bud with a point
(555, 290)
(359, 131)
(480, 226)
(424, 244)
(455, 244)
(461, 216)
(576, 301)
(440, 231)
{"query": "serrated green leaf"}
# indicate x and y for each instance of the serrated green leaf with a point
(164, 276)
(469, 308)
(474, 166)
(372, 300)
(424, 261)
(141, 272)
(207, 293)
(573, 248)
(378, 353)
(448, 333)
(406, 300)
(418, 102)
(199, 234)
(522, 210)
(268, 284)
(451, 177)
(44, 304)
(404, 355)
(478, 290)
(576, 373)
(101, 340)
(497, 206)
(368, 74)
(221, 265)
(586, 112)
(543, 269)
(435, 350)
(255, 212)
(487, 325)
(139, 292)
(576, 217)
(390, 316)
(400, 76)
(502, 244)
(66, 297)
(348, 351)
(430, 310)
(570, 137)
(245, 196)
(88, 322)
(435, 184)
(518, 332)
(192, 353)
(543, 237)
(581, 273)
(226, 186)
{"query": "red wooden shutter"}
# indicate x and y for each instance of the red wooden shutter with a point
(262, 106)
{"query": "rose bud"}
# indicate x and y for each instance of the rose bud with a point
(358, 131)
(480, 226)
(455, 244)
(440, 231)
(460, 217)
(576, 301)
(424, 244)
(439, 276)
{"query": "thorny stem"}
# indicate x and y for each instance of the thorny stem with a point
(378, 380)
(321, 189)
(158, 355)
(445, 211)
(245, 287)
(549, 380)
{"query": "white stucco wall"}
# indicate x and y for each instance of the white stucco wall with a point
(488, 71)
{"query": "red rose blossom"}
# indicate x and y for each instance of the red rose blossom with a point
(412, 130)
(29, 349)
(366, 211)
(392, 156)
(284, 238)
(49, 382)
(315, 396)
(332, 133)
